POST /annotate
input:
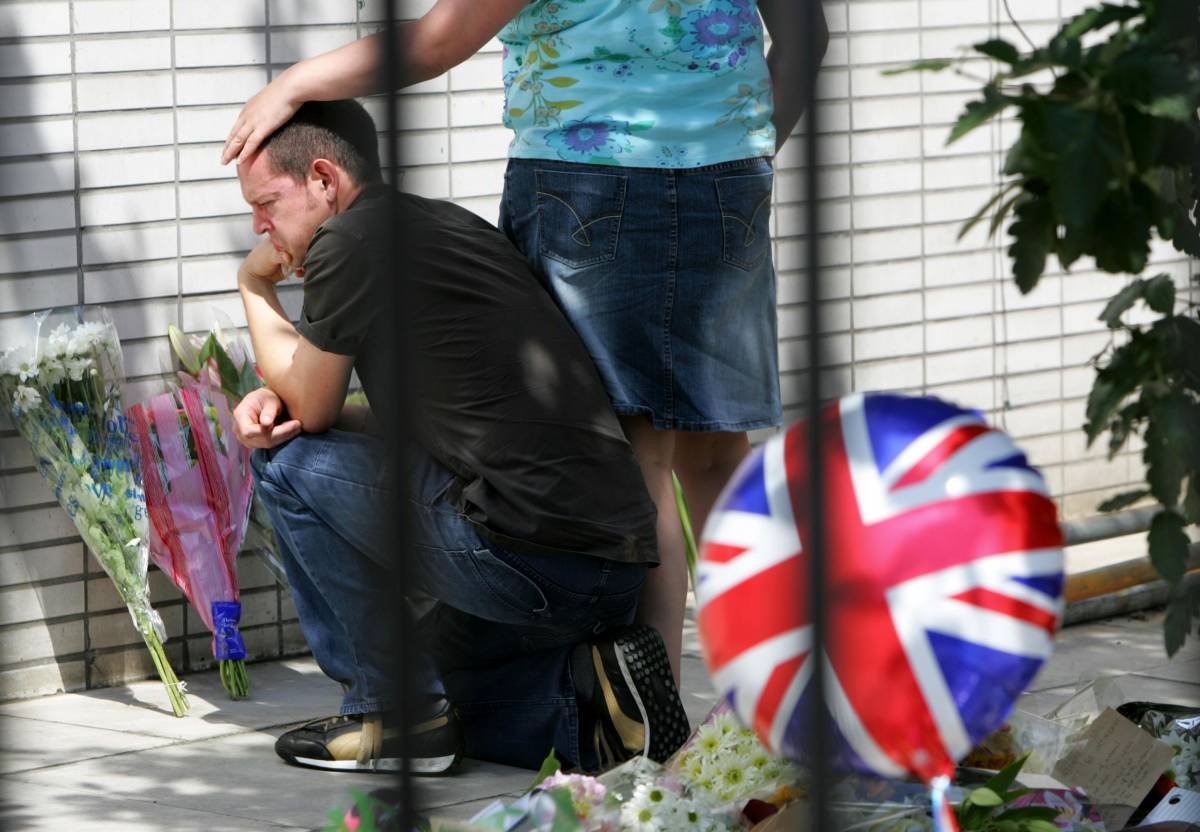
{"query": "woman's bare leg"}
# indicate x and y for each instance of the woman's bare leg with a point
(704, 463)
(664, 595)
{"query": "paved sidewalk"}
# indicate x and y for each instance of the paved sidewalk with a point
(117, 759)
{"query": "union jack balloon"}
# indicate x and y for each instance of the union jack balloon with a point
(944, 571)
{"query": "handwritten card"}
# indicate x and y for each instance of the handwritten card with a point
(1115, 762)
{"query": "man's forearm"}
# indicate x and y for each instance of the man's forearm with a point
(271, 332)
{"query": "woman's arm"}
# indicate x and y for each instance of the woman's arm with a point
(788, 62)
(448, 34)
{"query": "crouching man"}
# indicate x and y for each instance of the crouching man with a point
(531, 526)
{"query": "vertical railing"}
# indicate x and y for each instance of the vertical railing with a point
(396, 299)
(817, 733)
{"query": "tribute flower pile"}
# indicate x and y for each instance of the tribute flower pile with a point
(63, 390)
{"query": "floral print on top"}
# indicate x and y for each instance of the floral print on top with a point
(637, 83)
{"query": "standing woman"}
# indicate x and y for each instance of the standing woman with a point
(638, 186)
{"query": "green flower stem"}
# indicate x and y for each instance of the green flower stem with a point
(179, 703)
(234, 678)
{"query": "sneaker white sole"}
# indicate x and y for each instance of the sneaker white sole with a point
(424, 765)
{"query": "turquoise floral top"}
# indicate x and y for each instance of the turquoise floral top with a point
(642, 83)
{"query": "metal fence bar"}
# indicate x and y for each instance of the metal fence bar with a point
(818, 727)
(397, 524)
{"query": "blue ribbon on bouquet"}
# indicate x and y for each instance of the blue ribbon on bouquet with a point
(227, 641)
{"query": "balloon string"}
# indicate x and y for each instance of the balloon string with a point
(943, 814)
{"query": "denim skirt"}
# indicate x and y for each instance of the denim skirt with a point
(666, 274)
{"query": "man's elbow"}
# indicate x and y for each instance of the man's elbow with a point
(314, 417)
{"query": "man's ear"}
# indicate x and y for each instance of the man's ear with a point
(323, 175)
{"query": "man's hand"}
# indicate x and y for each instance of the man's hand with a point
(260, 117)
(266, 263)
(254, 420)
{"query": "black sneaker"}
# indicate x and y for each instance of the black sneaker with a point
(627, 698)
(365, 743)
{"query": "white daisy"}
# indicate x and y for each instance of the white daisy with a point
(76, 367)
(26, 398)
(59, 341)
(20, 362)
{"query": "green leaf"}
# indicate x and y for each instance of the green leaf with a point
(1000, 50)
(1168, 546)
(1130, 365)
(1121, 302)
(1089, 153)
(564, 819)
(1097, 18)
(685, 520)
(562, 81)
(920, 66)
(1121, 242)
(1002, 213)
(1160, 294)
(1178, 338)
(1037, 825)
(982, 212)
(249, 379)
(1002, 781)
(1178, 622)
(984, 797)
(549, 767)
(563, 105)
(1175, 107)
(639, 126)
(978, 112)
(548, 50)
(1170, 446)
(1123, 500)
(1033, 233)
(184, 351)
(517, 112)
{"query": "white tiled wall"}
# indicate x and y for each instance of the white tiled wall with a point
(112, 114)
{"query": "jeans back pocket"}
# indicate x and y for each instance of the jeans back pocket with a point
(745, 218)
(579, 215)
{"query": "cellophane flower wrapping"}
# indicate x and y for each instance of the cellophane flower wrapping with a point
(220, 361)
(198, 486)
(61, 384)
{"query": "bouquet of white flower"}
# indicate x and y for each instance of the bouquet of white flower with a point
(63, 390)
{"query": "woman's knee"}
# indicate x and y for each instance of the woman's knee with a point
(700, 453)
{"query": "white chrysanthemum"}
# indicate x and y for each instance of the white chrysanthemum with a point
(20, 362)
(649, 809)
(708, 739)
(77, 367)
(87, 337)
(726, 724)
(732, 775)
(26, 398)
(58, 342)
(52, 370)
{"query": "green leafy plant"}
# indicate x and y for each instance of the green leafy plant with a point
(1108, 156)
(988, 808)
(690, 550)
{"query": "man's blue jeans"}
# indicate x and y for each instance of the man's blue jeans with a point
(501, 635)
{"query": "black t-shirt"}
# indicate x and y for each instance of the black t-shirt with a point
(502, 391)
